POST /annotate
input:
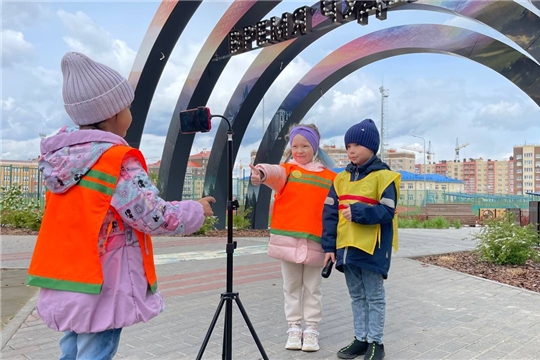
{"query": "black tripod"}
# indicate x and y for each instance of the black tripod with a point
(228, 296)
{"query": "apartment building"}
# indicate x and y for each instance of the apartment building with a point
(527, 168)
(495, 177)
(413, 192)
(24, 173)
(400, 160)
(337, 154)
(194, 178)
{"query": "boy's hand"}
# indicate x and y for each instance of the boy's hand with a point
(207, 208)
(347, 214)
(329, 256)
(255, 175)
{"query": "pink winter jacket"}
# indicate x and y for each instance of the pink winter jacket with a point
(125, 298)
(287, 248)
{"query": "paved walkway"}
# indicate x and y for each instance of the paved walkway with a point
(432, 313)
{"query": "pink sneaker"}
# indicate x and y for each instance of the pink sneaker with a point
(311, 339)
(294, 342)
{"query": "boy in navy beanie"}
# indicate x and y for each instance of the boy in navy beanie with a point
(359, 231)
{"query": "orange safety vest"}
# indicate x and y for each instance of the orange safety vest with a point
(66, 254)
(298, 207)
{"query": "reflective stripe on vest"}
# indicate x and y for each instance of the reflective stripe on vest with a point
(66, 255)
(309, 189)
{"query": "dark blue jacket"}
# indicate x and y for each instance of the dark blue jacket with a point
(362, 214)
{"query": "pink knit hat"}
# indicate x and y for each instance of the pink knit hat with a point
(92, 92)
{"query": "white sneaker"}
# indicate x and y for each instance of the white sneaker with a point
(311, 340)
(294, 342)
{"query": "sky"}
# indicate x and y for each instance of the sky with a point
(438, 97)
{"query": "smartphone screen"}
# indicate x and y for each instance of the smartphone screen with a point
(195, 120)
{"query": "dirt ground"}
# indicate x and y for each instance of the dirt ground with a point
(524, 276)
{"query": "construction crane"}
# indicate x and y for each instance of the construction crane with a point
(429, 153)
(459, 147)
(420, 150)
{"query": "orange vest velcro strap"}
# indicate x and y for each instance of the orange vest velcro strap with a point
(66, 255)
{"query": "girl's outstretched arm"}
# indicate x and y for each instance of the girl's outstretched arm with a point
(273, 176)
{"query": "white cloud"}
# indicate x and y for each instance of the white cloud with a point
(20, 150)
(273, 98)
(15, 48)
(170, 86)
(36, 106)
(502, 108)
(49, 78)
(87, 37)
(8, 104)
(358, 99)
(19, 15)
(152, 147)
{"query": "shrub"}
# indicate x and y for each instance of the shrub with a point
(420, 222)
(242, 221)
(208, 225)
(502, 242)
(17, 211)
(457, 224)
(436, 223)
(409, 223)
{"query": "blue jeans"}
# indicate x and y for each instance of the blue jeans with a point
(366, 289)
(92, 346)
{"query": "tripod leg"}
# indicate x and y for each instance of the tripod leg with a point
(251, 328)
(227, 333)
(210, 329)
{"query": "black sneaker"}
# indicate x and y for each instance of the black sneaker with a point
(354, 349)
(374, 352)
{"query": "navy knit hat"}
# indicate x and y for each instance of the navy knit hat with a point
(364, 133)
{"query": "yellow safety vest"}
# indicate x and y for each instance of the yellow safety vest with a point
(368, 190)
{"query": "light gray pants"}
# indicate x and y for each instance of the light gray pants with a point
(302, 292)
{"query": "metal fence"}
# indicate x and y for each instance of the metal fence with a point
(411, 201)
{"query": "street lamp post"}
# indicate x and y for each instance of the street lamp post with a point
(424, 169)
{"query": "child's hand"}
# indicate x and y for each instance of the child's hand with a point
(255, 175)
(329, 256)
(207, 208)
(347, 213)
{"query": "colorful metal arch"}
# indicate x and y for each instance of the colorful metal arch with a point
(169, 22)
(511, 19)
(400, 40)
(197, 89)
